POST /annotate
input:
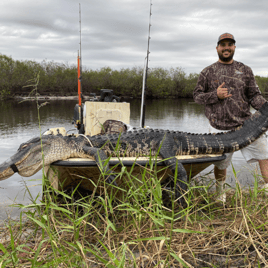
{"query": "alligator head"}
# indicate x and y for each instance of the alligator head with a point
(28, 159)
(38, 152)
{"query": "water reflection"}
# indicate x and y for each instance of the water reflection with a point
(17, 118)
(23, 117)
(175, 114)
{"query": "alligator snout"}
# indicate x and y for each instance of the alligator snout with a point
(7, 169)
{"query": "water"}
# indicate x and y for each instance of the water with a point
(19, 123)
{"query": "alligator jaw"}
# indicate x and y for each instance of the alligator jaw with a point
(6, 170)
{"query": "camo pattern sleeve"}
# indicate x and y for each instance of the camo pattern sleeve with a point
(231, 112)
(256, 100)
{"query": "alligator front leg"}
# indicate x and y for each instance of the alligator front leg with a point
(100, 157)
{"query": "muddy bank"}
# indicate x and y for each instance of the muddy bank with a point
(47, 98)
(50, 98)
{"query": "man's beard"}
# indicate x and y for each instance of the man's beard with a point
(224, 59)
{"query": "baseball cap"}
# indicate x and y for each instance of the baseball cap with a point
(226, 36)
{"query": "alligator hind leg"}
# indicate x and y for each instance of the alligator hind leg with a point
(100, 157)
(181, 180)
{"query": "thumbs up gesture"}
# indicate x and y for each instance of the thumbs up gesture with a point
(222, 92)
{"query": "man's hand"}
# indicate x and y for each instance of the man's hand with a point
(222, 92)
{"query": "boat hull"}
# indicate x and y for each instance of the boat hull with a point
(67, 174)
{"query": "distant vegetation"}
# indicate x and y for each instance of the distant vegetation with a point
(61, 79)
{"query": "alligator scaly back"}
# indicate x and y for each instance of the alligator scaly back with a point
(148, 141)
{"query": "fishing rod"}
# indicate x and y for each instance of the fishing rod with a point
(79, 122)
(145, 73)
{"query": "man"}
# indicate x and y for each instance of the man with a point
(227, 88)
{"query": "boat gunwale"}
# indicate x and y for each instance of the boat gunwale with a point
(142, 161)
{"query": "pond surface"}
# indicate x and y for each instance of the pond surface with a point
(19, 122)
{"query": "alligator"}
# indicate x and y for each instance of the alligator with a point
(35, 153)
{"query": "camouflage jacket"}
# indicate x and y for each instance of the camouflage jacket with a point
(231, 112)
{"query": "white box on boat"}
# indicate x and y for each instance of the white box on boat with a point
(96, 113)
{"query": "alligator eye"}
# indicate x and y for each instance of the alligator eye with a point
(23, 146)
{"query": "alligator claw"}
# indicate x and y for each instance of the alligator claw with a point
(177, 189)
(111, 180)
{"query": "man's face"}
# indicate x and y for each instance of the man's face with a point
(226, 49)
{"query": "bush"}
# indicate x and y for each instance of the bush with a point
(61, 79)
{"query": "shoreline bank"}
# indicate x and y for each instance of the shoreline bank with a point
(45, 97)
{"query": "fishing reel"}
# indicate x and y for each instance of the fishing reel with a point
(78, 118)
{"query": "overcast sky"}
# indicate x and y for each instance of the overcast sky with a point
(184, 33)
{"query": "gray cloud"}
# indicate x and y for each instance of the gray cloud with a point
(114, 33)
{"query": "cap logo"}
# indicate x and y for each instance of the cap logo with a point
(226, 36)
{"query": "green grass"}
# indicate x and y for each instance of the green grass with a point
(137, 230)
